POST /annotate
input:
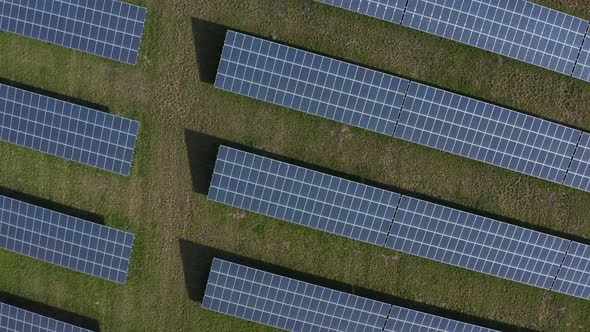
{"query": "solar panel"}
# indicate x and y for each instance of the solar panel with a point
(17, 320)
(476, 243)
(582, 69)
(388, 10)
(63, 240)
(287, 303)
(302, 196)
(578, 175)
(485, 132)
(574, 275)
(310, 83)
(515, 28)
(67, 130)
(111, 29)
(402, 319)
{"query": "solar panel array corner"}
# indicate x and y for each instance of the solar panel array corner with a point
(16, 320)
(387, 10)
(110, 29)
(67, 130)
(64, 240)
(578, 175)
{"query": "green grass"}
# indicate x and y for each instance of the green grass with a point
(158, 204)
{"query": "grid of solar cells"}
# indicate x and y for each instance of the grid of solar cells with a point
(485, 132)
(582, 69)
(388, 10)
(67, 130)
(17, 320)
(64, 240)
(515, 28)
(302, 196)
(402, 319)
(476, 243)
(574, 275)
(287, 303)
(310, 83)
(110, 29)
(578, 175)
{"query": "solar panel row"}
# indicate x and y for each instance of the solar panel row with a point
(67, 130)
(408, 110)
(310, 83)
(338, 206)
(476, 243)
(17, 319)
(110, 29)
(515, 28)
(63, 240)
(485, 132)
(302, 196)
(295, 305)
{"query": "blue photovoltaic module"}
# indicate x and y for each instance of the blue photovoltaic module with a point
(67, 130)
(574, 275)
(477, 243)
(63, 240)
(486, 132)
(107, 28)
(388, 10)
(287, 303)
(310, 83)
(515, 28)
(402, 319)
(578, 175)
(582, 69)
(302, 196)
(294, 305)
(14, 319)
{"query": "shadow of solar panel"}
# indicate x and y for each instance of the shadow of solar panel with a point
(515, 28)
(111, 29)
(310, 83)
(476, 243)
(582, 69)
(63, 240)
(67, 130)
(388, 10)
(578, 175)
(287, 303)
(16, 319)
(485, 132)
(302, 196)
(402, 319)
(574, 275)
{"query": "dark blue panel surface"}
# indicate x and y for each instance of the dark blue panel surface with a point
(406, 320)
(582, 70)
(476, 243)
(302, 196)
(515, 28)
(578, 175)
(485, 132)
(64, 240)
(310, 83)
(287, 303)
(67, 130)
(14, 319)
(106, 28)
(388, 10)
(574, 275)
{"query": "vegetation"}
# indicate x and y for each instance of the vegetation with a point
(183, 118)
